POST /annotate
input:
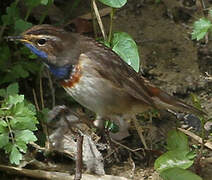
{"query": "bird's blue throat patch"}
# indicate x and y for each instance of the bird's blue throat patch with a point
(41, 54)
(60, 72)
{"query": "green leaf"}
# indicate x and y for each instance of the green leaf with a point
(21, 25)
(46, 2)
(32, 3)
(3, 93)
(172, 159)
(200, 28)
(126, 48)
(21, 146)
(15, 99)
(179, 174)
(111, 126)
(8, 147)
(13, 89)
(177, 141)
(4, 56)
(15, 156)
(12, 14)
(25, 136)
(114, 3)
(3, 126)
(4, 139)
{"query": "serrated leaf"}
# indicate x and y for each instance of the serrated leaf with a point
(15, 156)
(179, 174)
(177, 141)
(12, 14)
(21, 25)
(126, 48)
(12, 89)
(114, 3)
(21, 146)
(13, 100)
(8, 147)
(172, 159)
(3, 126)
(25, 136)
(4, 139)
(200, 28)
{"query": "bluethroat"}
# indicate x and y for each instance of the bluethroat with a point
(94, 75)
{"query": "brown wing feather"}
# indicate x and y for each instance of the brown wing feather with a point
(112, 67)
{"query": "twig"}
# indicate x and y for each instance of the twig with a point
(208, 144)
(134, 151)
(35, 100)
(139, 130)
(78, 172)
(99, 19)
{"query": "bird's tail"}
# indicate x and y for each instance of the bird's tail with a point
(163, 100)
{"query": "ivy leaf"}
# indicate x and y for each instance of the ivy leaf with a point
(15, 156)
(114, 3)
(126, 48)
(177, 141)
(4, 139)
(25, 136)
(179, 174)
(201, 27)
(172, 159)
(13, 89)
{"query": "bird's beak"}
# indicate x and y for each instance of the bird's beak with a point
(17, 38)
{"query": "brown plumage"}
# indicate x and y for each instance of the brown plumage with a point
(95, 76)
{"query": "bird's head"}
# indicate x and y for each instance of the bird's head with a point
(55, 46)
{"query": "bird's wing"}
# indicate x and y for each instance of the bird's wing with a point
(113, 68)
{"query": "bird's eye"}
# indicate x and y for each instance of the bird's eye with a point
(41, 42)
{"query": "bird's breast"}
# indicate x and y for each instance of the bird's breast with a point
(74, 77)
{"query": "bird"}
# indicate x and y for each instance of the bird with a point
(95, 76)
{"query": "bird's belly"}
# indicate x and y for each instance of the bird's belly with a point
(100, 96)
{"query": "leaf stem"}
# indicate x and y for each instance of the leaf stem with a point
(111, 24)
(10, 129)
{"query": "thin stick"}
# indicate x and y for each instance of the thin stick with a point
(139, 130)
(35, 100)
(99, 19)
(208, 144)
(78, 172)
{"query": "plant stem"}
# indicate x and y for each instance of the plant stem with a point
(45, 12)
(10, 129)
(28, 13)
(111, 24)
(99, 19)
(93, 21)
